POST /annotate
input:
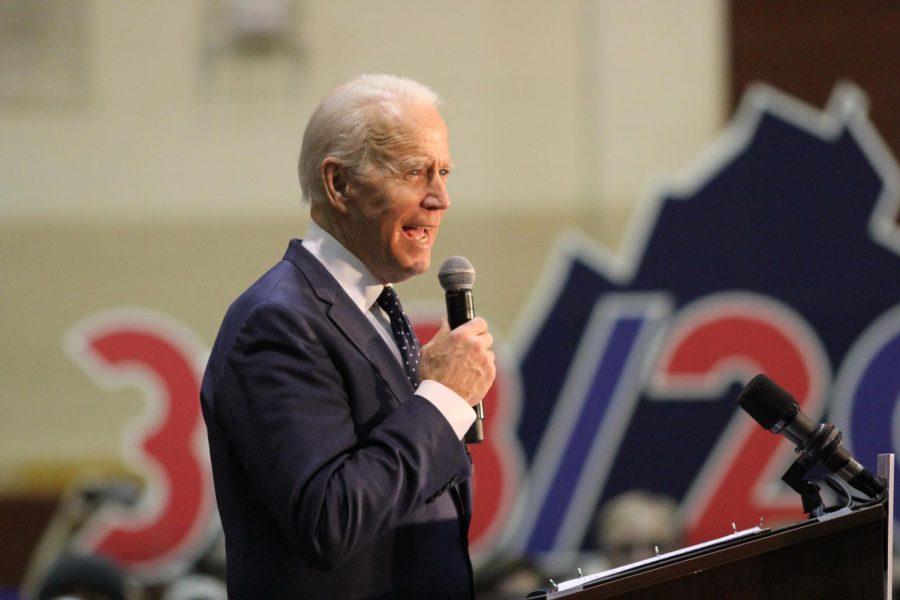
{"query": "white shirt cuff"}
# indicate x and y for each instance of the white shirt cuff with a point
(457, 411)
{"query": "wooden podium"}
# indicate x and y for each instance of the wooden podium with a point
(845, 555)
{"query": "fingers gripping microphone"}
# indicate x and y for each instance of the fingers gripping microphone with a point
(776, 410)
(457, 275)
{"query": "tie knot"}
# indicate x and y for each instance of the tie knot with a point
(389, 301)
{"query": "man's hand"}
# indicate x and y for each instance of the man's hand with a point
(461, 359)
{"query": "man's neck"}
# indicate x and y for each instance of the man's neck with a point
(344, 266)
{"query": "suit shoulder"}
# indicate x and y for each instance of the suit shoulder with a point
(281, 288)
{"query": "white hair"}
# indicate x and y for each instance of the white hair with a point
(350, 124)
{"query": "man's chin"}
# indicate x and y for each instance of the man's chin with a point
(413, 269)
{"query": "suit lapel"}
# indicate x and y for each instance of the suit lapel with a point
(349, 320)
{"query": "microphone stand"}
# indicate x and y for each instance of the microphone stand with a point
(809, 492)
(819, 449)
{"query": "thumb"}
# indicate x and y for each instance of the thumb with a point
(445, 326)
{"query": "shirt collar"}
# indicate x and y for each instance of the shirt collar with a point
(344, 266)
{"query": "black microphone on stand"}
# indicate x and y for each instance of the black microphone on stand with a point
(457, 275)
(775, 409)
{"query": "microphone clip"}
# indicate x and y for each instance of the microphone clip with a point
(820, 448)
(795, 477)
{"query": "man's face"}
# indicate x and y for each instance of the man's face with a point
(393, 214)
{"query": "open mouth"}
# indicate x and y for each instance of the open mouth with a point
(418, 234)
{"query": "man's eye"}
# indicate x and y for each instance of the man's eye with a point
(444, 172)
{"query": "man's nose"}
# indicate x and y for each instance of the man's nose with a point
(438, 198)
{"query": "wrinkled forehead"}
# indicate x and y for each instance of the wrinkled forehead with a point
(401, 133)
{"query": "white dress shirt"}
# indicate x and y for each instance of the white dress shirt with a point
(363, 289)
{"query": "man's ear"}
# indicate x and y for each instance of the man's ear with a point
(334, 176)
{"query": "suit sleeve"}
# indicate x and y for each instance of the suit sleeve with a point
(283, 402)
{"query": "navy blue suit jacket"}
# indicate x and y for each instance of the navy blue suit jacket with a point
(333, 479)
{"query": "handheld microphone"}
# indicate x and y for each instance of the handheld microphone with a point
(457, 275)
(777, 411)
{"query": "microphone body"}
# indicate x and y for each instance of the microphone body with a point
(460, 307)
(456, 276)
(777, 411)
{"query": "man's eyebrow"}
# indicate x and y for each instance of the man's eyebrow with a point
(408, 162)
(412, 161)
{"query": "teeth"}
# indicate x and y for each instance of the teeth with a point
(417, 233)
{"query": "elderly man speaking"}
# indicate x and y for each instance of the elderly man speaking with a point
(335, 439)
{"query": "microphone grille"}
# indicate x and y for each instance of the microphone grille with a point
(767, 402)
(456, 273)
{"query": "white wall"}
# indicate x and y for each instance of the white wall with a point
(574, 103)
(165, 178)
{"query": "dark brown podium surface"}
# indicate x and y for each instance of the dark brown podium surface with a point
(843, 555)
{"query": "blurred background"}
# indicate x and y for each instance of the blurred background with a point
(147, 174)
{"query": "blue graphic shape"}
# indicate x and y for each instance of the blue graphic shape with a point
(866, 395)
(796, 205)
(876, 397)
(588, 424)
(599, 396)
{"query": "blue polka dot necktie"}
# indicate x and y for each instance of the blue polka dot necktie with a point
(403, 333)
